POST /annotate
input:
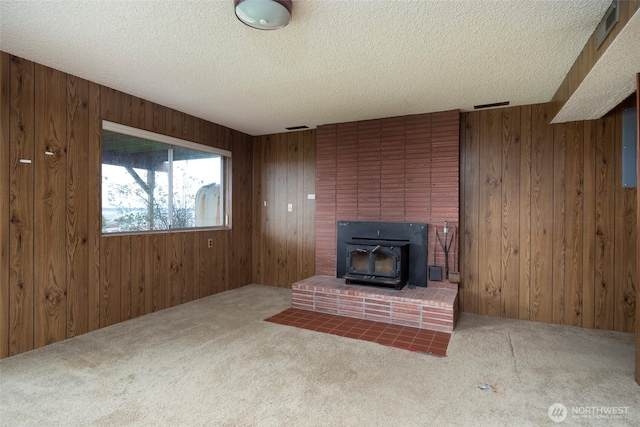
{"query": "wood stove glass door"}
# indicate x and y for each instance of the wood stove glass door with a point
(369, 260)
(385, 263)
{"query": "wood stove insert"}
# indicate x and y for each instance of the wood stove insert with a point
(382, 253)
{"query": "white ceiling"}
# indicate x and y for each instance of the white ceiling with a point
(337, 61)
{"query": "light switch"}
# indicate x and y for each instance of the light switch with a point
(290, 207)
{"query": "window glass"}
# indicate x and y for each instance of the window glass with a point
(148, 185)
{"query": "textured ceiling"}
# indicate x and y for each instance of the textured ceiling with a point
(336, 61)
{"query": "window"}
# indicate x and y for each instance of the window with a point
(154, 182)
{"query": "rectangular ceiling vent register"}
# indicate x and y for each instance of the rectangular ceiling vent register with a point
(494, 105)
(608, 22)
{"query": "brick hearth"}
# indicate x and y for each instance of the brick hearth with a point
(432, 308)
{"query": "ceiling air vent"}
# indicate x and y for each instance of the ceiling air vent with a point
(495, 104)
(608, 22)
(297, 127)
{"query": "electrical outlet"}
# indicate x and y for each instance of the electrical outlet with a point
(210, 243)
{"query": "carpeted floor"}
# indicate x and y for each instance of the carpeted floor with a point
(215, 361)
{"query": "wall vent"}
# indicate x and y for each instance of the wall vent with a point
(608, 22)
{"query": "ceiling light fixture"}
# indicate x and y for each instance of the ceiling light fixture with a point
(264, 14)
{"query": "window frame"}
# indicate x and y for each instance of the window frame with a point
(226, 173)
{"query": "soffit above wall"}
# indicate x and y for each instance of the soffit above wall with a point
(611, 80)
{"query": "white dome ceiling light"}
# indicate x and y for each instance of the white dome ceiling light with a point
(264, 14)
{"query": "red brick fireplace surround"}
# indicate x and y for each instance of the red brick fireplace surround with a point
(399, 169)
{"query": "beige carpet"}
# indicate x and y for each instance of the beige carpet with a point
(216, 362)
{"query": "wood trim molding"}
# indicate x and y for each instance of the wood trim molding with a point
(638, 234)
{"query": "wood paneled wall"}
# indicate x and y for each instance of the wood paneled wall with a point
(59, 277)
(5, 77)
(284, 242)
(549, 231)
(400, 169)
